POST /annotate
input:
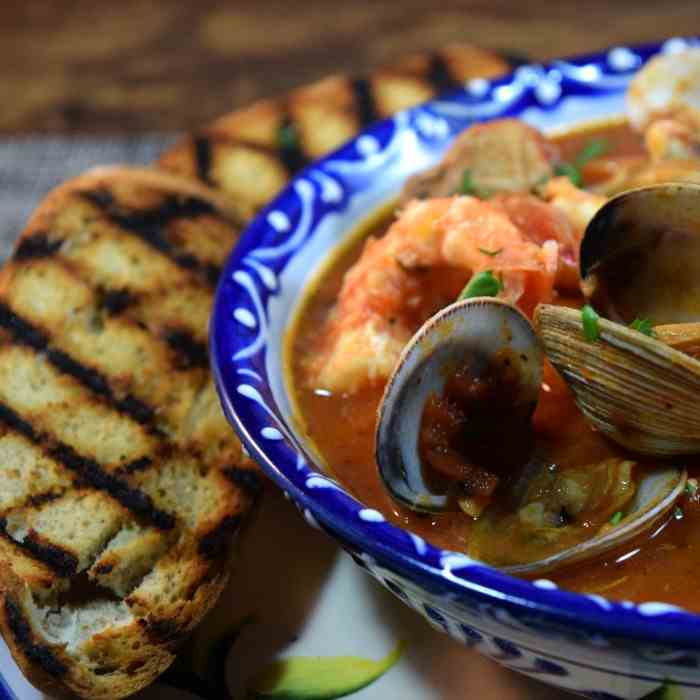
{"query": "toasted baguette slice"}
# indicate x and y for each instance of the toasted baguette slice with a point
(275, 138)
(121, 483)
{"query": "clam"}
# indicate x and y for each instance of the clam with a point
(640, 258)
(635, 389)
(486, 338)
(481, 334)
(640, 255)
(656, 495)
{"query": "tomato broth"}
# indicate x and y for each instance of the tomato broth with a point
(341, 427)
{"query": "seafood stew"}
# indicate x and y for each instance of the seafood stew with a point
(505, 212)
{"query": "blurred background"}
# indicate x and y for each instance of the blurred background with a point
(165, 65)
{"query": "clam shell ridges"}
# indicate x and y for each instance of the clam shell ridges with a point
(631, 387)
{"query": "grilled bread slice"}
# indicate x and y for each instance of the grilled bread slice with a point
(121, 483)
(251, 153)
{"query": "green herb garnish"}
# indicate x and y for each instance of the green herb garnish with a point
(590, 319)
(490, 253)
(592, 150)
(570, 171)
(287, 137)
(467, 185)
(643, 325)
(691, 487)
(615, 520)
(678, 513)
(484, 284)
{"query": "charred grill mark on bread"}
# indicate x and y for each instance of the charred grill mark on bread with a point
(189, 353)
(62, 562)
(23, 427)
(440, 76)
(21, 630)
(364, 99)
(246, 479)
(25, 333)
(150, 225)
(91, 378)
(215, 542)
(151, 314)
(22, 331)
(137, 465)
(38, 245)
(134, 500)
(202, 150)
(42, 498)
(115, 301)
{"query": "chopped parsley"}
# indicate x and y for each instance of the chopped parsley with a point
(691, 487)
(483, 284)
(467, 185)
(590, 319)
(643, 325)
(570, 171)
(592, 150)
(491, 253)
(615, 520)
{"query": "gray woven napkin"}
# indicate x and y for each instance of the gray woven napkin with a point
(30, 166)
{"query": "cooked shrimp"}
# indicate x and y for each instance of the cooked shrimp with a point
(671, 139)
(578, 205)
(667, 87)
(663, 102)
(426, 257)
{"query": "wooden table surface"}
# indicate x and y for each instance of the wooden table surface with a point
(156, 65)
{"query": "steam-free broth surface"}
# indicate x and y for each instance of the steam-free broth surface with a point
(341, 426)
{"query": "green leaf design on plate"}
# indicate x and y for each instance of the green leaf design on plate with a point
(319, 677)
(668, 691)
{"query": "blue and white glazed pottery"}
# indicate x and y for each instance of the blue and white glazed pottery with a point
(585, 643)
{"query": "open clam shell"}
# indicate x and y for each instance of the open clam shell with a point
(656, 495)
(474, 333)
(635, 389)
(640, 255)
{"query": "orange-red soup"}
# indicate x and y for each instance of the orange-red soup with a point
(661, 566)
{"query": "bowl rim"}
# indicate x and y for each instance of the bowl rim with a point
(539, 603)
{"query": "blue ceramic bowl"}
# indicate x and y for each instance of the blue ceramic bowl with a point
(586, 643)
